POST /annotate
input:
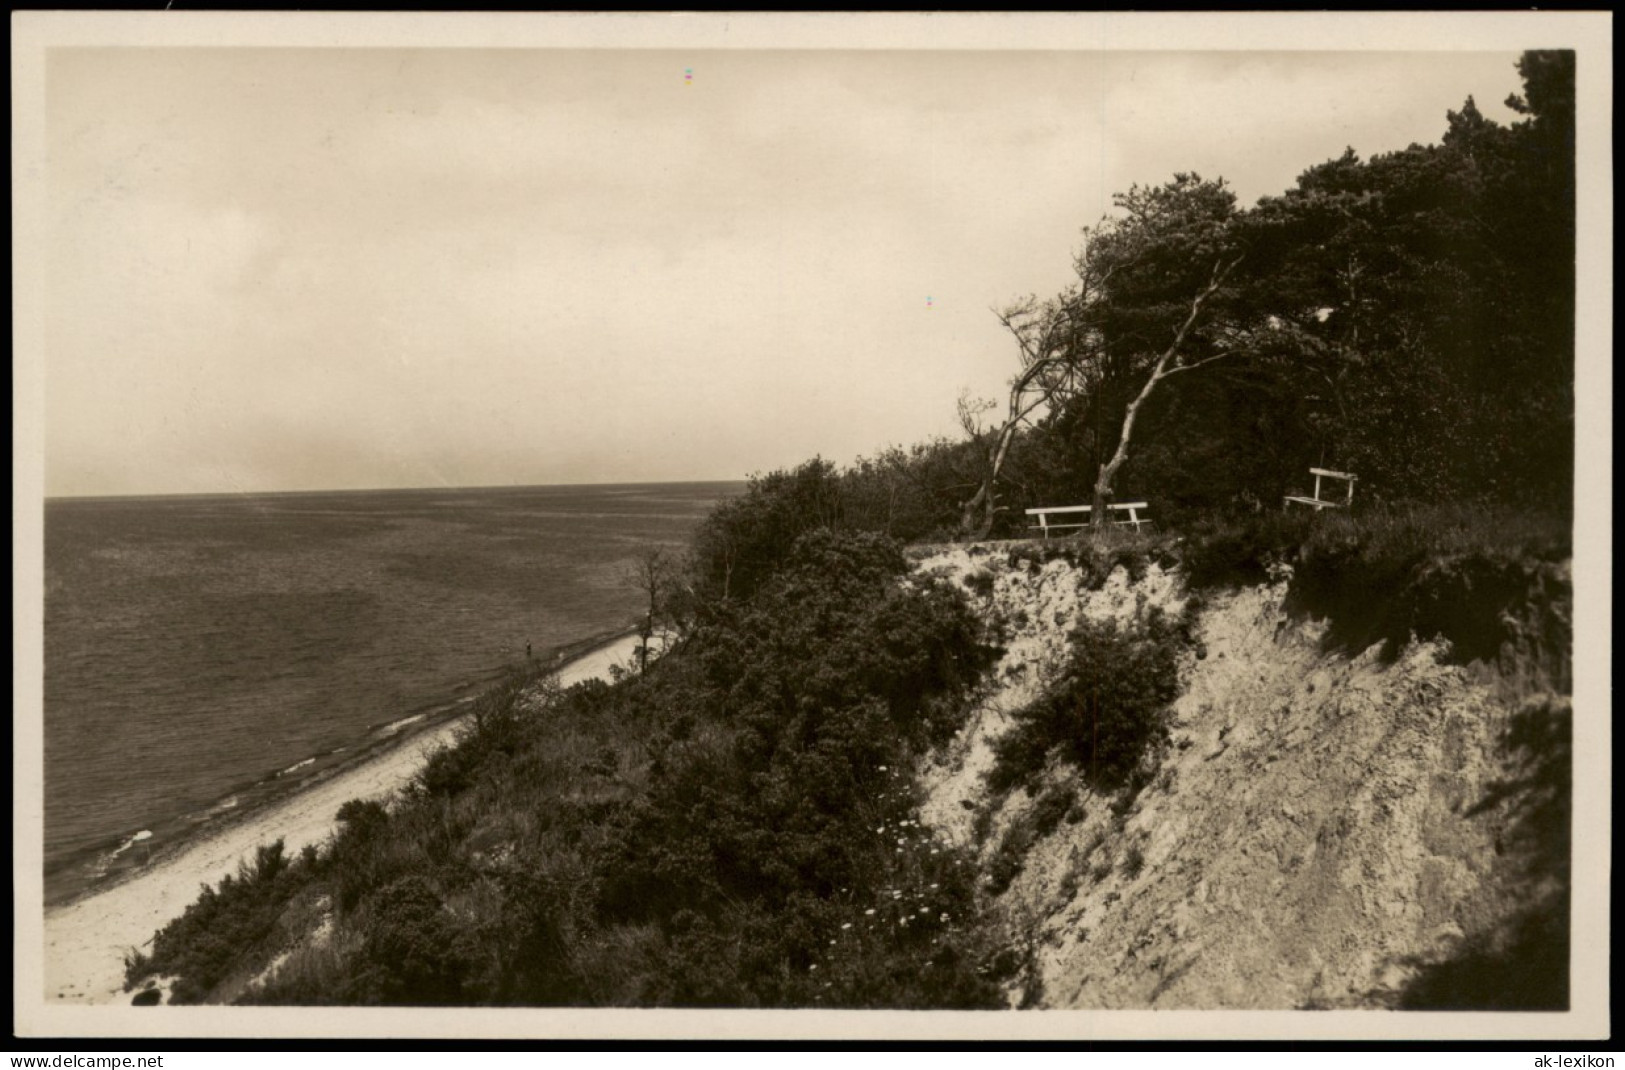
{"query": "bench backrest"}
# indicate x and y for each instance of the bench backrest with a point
(1044, 510)
(1327, 473)
(1046, 513)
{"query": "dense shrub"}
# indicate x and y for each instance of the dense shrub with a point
(738, 826)
(1134, 861)
(980, 582)
(206, 943)
(358, 859)
(411, 953)
(1106, 711)
(1230, 552)
(827, 683)
(1479, 578)
(745, 539)
(911, 494)
(1489, 581)
(899, 494)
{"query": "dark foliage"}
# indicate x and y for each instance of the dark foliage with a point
(735, 827)
(980, 582)
(826, 683)
(745, 539)
(1134, 862)
(362, 829)
(1220, 552)
(207, 942)
(1052, 804)
(910, 494)
(1490, 582)
(411, 953)
(1008, 860)
(1524, 966)
(1106, 713)
(1394, 579)
(1408, 317)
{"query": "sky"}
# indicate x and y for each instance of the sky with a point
(290, 269)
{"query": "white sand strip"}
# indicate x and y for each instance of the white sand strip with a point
(85, 941)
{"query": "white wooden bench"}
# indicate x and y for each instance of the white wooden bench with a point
(1045, 525)
(1317, 502)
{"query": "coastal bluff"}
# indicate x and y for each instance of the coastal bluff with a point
(1323, 828)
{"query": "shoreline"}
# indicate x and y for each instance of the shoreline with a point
(94, 869)
(84, 937)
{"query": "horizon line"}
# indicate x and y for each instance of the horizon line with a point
(369, 490)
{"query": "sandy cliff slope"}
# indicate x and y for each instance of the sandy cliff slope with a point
(1311, 837)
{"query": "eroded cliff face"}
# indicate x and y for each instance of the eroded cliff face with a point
(1315, 833)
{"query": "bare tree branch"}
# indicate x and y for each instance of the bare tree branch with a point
(1206, 360)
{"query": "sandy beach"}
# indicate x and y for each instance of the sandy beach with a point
(85, 941)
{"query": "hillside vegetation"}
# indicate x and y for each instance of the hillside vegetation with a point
(1258, 758)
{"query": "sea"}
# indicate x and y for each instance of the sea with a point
(206, 655)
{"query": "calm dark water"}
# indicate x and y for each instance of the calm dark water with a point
(202, 653)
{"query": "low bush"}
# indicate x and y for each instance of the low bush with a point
(1231, 552)
(1105, 713)
(1478, 578)
(1486, 580)
(412, 953)
(1133, 861)
(209, 940)
(980, 582)
(1008, 860)
(1052, 804)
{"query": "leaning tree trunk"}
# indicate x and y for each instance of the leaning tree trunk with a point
(1108, 470)
(1159, 371)
(986, 499)
(976, 515)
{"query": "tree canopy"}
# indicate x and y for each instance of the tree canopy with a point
(1408, 317)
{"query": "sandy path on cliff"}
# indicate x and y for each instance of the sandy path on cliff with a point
(84, 942)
